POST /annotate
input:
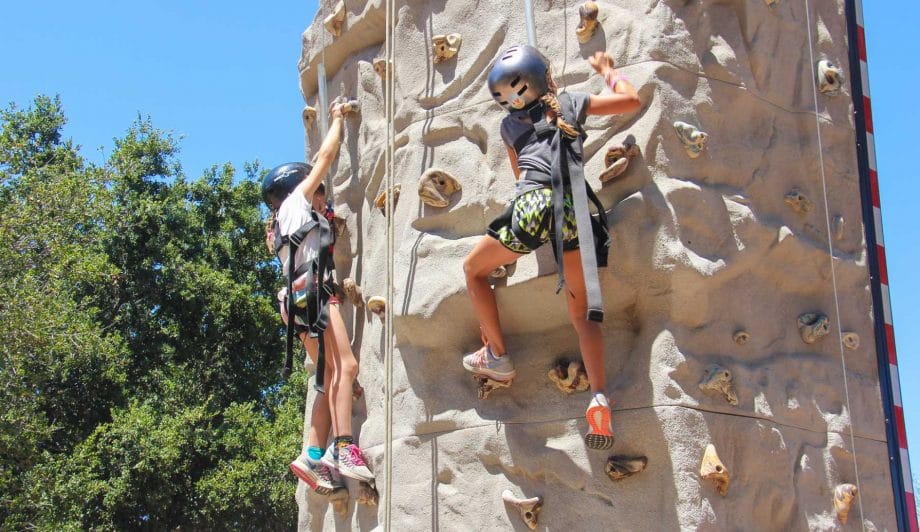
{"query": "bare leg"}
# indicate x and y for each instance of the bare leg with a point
(344, 369)
(590, 337)
(487, 255)
(320, 417)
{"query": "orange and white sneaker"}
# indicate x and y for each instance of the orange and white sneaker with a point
(600, 429)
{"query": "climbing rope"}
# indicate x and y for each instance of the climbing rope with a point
(390, 215)
(528, 20)
(830, 251)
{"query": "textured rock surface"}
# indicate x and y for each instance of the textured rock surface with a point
(702, 248)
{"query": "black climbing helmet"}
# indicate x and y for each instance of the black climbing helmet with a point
(518, 77)
(281, 181)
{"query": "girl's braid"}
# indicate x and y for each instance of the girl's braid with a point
(550, 99)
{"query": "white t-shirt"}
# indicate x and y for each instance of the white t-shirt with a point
(294, 212)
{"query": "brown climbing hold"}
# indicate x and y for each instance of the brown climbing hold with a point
(353, 292)
(713, 469)
(381, 201)
(377, 305)
(436, 187)
(843, 500)
(830, 77)
(367, 494)
(620, 466)
(569, 377)
(380, 67)
(587, 25)
(339, 500)
(718, 379)
(741, 337)
(528, 509)
(813, 326)
(798, 201)
(851, 340)
(617, 160)
(488, 385)
(445, 46)
(335, 22)
(308, 115)
(692, 138)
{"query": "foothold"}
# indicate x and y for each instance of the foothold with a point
(488, 385)
(718, 379)
(381, 201)
(587, 26)
(838, 227)
(353, 292)
(336, 21)
(620, 466)
(830, 77)
(339, 500)
(357, 391)
(380, 67)
(445, 46)
(694, 140)
(713, 469)
(498, 273)
(569, 377)
(617, 160)
(436, 187)
(309, 116)
(741, 337)
(851, 340)
(377, 305)
(798, 201)
(813, 326)
(529, 509)
(367, 494)
(843, 500)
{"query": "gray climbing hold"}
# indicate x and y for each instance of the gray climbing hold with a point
(851, 340)
(798, 201)
(830, 77)
(844, 494)
(617, 160)
(335, 22)
(569, 377)
(528, 509)
(713, 469)
(719, 380)
(741, 337)
(693, 139)
(445, 46)
(587, 24)
(813, 326)
(436, 187)
(619, 467)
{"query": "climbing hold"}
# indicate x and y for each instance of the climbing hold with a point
(377, 305)
(851, 340)
(339, 500)
(528, 508)
(694, 140)
(381, 201)
(813, 326)
(380, 67)
(341, 226)
(351, 106)
(741, 337)
(838, 227)
(569, 377)
(843, 500)
(830, 77)
(771, 3)
(309, 116)
(436, 187)
(445, 46)
(498, 273)
(798, 201)
(367, 494)
(713, 469)
(718, 379)
(357, 391)
(336, 21)
(353, 292)
(587, 26)
(620, 466)
(488, 385)
(617, 160)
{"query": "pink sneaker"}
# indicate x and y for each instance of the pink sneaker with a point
(348, 461)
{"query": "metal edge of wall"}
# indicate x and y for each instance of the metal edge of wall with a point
(889, 383)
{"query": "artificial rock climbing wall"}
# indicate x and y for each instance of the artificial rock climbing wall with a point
(737, 299)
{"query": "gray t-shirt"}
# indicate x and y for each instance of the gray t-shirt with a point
(537, 155)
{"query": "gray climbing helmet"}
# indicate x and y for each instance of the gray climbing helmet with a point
(518, 77)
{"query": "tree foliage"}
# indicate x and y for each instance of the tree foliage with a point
(139, 371)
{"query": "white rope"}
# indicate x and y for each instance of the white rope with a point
(389, 72)
(830, 251)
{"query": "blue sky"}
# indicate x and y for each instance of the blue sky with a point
(224, 76)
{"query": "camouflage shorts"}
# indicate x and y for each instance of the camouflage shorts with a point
(532, 213)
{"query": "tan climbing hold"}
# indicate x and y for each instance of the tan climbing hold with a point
(839, 226)
(367, 494)
(587, 25)
(830, 77)
(381, 201)
(798, 201)
(851, 340)
(813, 326)
(713, 469)
(620, 466)
(693, 139)
(488, 385)
(617, 160)
(445, 46)
(351, 107)
(339, 500)
(569, 377)
(353, 292)
(377, 305)
(308, 115)
(719, 380)
(436, 187)
(335, 22)
(528, 509)
(380, 67)
(843, 500)
(741, 337)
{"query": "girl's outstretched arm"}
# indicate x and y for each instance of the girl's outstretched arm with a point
(624, 98)
(326, 154)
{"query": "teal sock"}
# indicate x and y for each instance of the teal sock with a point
(315, 453)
